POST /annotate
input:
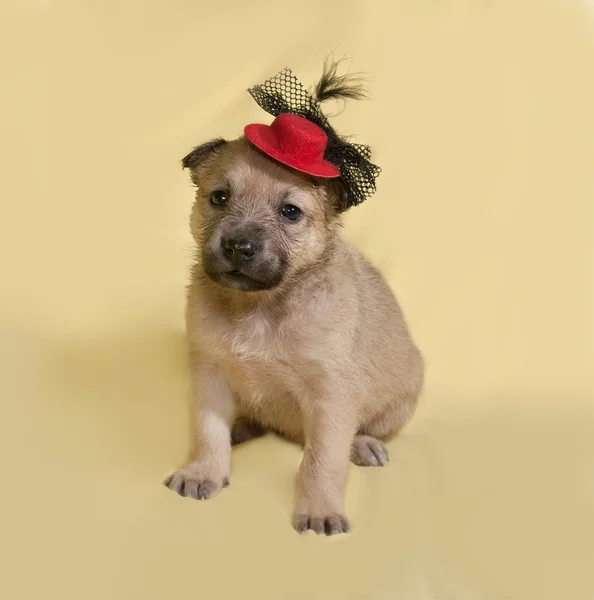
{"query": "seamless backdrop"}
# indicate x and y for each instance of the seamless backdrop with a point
(482, 120)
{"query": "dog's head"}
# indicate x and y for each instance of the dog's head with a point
(258, 223)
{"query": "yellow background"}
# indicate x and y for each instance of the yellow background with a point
(483, 121)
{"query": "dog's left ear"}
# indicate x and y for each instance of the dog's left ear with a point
(342, 199)
(202, 152)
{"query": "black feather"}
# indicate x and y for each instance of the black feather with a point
(333, 86)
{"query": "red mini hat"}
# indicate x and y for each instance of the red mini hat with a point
(296, 142)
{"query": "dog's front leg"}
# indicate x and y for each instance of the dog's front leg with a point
(215, 408)
(329, 432)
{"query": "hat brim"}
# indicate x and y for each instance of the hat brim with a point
(263, 137)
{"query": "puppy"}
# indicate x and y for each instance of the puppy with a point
(290, 331)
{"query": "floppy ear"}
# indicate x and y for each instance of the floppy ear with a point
(342, 199)
(201, 152)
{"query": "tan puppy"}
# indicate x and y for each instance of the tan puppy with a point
(291, 330)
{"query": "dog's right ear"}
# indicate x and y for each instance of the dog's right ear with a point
(202, 152)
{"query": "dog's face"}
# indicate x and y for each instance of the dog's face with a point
(257, 223)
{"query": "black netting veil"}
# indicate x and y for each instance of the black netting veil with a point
(284, 93)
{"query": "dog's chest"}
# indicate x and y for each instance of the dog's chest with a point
(261, 358)
(253, 337)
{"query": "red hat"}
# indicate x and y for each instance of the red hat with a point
(294, 141)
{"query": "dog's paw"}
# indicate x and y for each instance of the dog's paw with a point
(368, 451)
(326, 524)
(194, 481)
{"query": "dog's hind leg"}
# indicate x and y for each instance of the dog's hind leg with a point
(368, 450)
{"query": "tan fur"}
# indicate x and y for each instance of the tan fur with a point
(324, 358)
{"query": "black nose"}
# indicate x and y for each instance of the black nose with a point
(239, 250)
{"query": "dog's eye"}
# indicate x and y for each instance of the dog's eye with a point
(291, 212)
(218, 197)
(315, 182)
